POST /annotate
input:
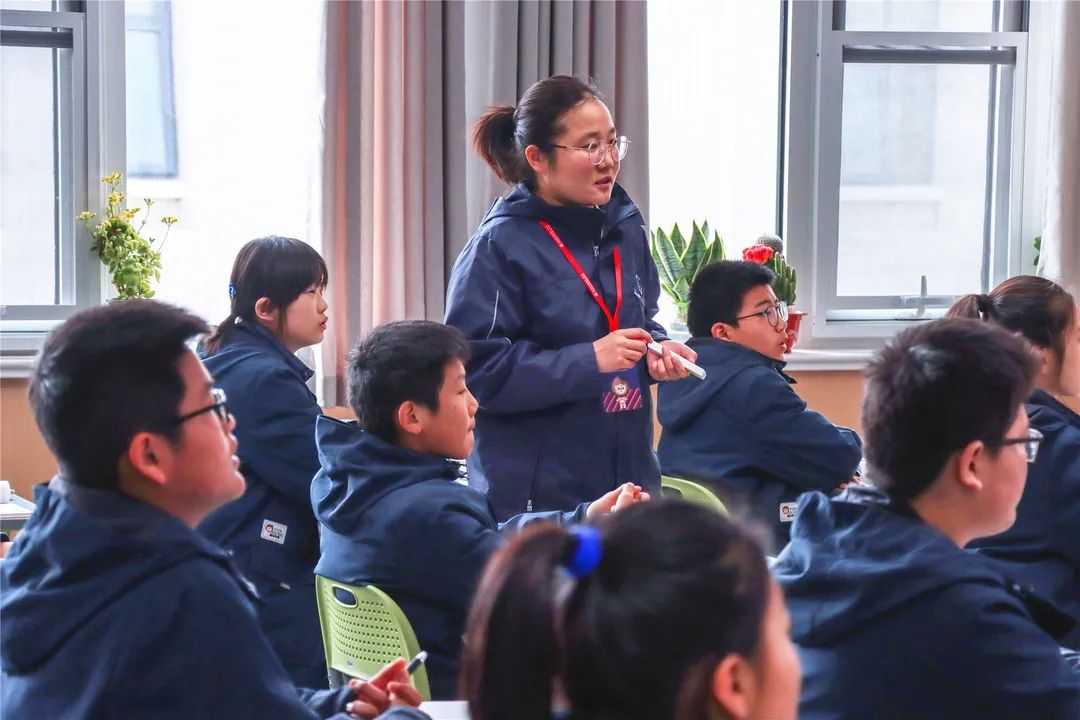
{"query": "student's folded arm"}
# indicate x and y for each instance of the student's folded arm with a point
(995, 654)
(520, 522)
(793, 442)
(507, 373)
(1065, 474)
(278, 434)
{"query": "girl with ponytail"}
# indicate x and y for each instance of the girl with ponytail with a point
(277, 307)
(666, 611)
(557, 294)
(1042, 549)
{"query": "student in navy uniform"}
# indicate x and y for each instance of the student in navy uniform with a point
(663, 611)
(111, 605)
(277, 308)
(556, 293)
(1042, 549)
(743, 430)
(392, 514)
(892, 618)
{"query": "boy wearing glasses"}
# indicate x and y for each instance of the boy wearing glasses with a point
(743, 430)
(893, 620)
(111, 605)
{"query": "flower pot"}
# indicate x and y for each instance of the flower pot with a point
(794, 320)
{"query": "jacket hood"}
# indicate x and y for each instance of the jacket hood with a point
(682, 402)
(521, 202)
(81, 550)
(851, 561)
(359, 469)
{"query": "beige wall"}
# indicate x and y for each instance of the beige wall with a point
(24, 459)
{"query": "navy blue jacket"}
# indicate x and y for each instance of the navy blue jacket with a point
(1042, 548)
(543, 441)
(892, 620)
(397, 519)
(111, 608)
(275, 426)
(744, 430)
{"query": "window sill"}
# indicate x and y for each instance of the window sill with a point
(800, 360)
(16, 367)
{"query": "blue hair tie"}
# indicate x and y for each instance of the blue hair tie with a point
(232, 291)
(587, 552)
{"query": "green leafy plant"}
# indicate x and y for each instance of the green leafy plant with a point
(132, 260)
(679, 260)
(1038, 250)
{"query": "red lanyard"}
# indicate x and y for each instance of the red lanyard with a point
(612, 319)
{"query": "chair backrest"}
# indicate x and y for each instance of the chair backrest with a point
(363, 629)
(692, 492)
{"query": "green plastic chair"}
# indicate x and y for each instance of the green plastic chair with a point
(363, 629)
(692, 492)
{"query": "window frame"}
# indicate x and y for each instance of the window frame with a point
(96, 138)
(814, 161)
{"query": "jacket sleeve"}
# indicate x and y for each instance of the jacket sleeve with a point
(1015, 670)
(520, 522)
(792, 442)
(277, 434)
(508, 373)
(1064, 472)
(456, 544)
(650, 285)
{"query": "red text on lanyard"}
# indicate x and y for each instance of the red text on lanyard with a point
(612, 318)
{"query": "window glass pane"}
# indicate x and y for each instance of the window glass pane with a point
(247, 160)
(151, 122)
(920, 15)
(913, 179)
(30, 175)
(713, 102)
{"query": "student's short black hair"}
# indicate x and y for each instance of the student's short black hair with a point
(398, 362)
(934, 389)
(105, 375)
(718, 291)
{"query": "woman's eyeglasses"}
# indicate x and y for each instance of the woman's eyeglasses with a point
(597, 150)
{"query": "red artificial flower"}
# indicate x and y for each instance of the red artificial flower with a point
(760, 254)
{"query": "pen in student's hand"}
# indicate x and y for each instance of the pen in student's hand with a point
(415, 663)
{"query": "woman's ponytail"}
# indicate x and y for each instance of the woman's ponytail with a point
(493, 139)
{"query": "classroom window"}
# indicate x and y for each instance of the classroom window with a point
(151, 109)
(910, 183)
(714, 119)
(46, 164)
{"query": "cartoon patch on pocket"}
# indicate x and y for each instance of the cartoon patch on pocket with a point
(625, 393)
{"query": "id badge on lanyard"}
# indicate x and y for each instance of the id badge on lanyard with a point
(624, 386)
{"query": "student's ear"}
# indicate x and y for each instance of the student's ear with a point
(967, 465)
(266, 311)
(537, 160)
(408, 419)
(731, 687)
(148, 455)
(720, 331)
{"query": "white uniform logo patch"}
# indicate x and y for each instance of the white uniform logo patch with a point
(787, 511)
(274, 532)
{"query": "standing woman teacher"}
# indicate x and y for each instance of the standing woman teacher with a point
(556, 292)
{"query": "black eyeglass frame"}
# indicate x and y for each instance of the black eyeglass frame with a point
(1031, 443)
(780, 310)
(219, 408)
